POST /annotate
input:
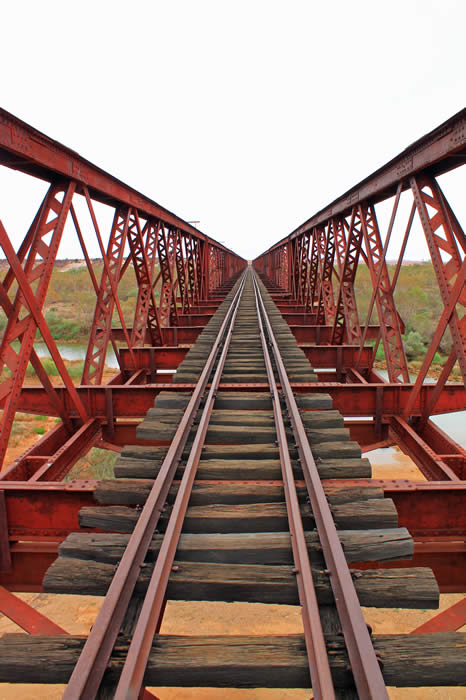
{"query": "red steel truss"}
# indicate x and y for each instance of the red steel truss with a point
(155, 238)
(182, 276)
(346, 315)
(144, 255)
(389, 322)
(345, 234)
(326, 304)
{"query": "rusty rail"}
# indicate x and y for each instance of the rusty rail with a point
(89, 670)
(132, 675)
(364, 664)
(321, 677)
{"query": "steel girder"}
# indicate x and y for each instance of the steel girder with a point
(397, 365)
(106, 300)
(303, 267)
(347, 229)
(144, 255)
(276, 268)
(326, 302)
(320, 242)
(295, 255)
(447, 245)
(313, 271)
(340, 227)
(198, 266)
(350, 309)
(133, 400)
(25, 312)
(138, 222)
(166, 242)
(181, 272)
(204, 271)
(445, 238)
(216, 267)
(192, 270)
(279, 276)
(7, 307)
(346, 315)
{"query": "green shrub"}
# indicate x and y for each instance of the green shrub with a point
(65, 328)
(49, 366)
(75, 370)
(30, 371)
(414, 346)
(39, 431)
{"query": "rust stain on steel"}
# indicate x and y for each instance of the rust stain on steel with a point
(364, 664)
(132, 675)
(88, 672)
(319, 666)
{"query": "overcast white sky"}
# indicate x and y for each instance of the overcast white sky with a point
(247, 116)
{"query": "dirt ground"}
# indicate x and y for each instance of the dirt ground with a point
(24, 433)
(76, 615)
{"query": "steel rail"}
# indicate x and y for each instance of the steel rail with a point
(132, 675)
(364, 664)
(319, 667)
(87, 675)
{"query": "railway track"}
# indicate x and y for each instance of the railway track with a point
(239, 495)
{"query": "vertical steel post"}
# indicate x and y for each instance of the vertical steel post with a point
(144, 256)
(395, 357)
(444, 237)
(165, 248)
(346, 312)
(313, 270)
(326, 303)
(101, 326)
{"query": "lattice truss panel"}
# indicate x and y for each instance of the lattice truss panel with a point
(175, 265)
(178, 270)
(317, 264)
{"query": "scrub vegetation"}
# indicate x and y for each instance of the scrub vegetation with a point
(70, 302)
(419, 305)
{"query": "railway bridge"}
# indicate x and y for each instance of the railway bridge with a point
(245, 398)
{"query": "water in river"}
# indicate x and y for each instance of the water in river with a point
(75, 351)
